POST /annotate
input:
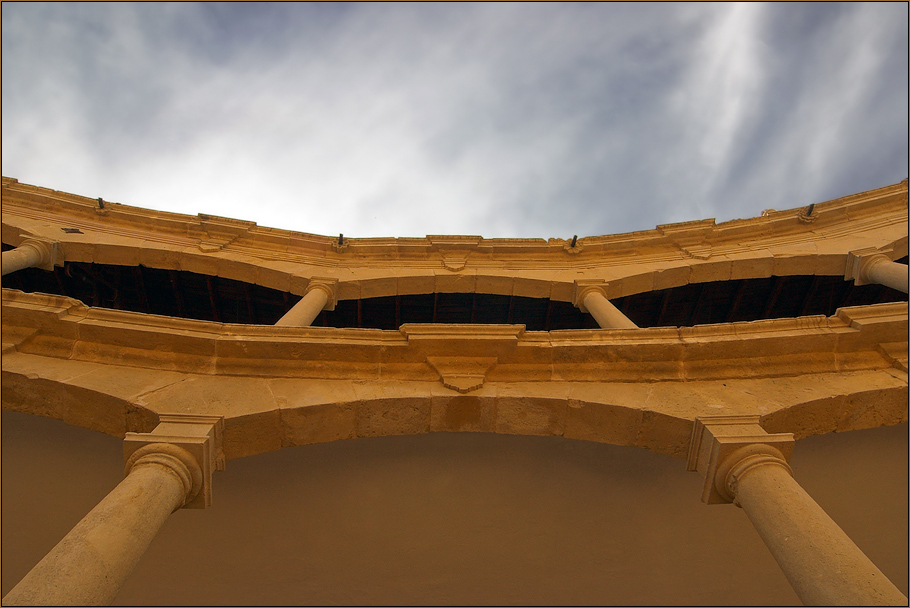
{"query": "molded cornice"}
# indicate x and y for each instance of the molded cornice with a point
(55, 326)
(210, 234)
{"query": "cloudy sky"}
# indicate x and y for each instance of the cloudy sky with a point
(535, 120)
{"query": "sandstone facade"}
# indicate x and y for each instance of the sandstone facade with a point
(222, 391)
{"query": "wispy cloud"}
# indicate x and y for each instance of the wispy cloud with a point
(717, 101)
(501, 120)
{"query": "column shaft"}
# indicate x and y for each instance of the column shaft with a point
(91, 563)
(306, 310)
(606, 315)
(821, 562)
(886, 272)
(19, 258)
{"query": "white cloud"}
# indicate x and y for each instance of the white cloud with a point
(716, 101)
(501, 120)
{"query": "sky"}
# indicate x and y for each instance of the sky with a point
(499, 120)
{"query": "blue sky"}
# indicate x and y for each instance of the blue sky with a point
(503, 120)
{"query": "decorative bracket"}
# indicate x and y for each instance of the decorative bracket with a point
(697, 251)
(455, 263)
(216, 232)
(462, 374)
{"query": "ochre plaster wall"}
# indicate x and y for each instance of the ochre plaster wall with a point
(456, 518)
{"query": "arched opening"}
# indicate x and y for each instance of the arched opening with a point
(774, 297)
(209, 298)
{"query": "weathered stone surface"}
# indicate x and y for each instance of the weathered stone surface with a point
(122, 373)
(602, 423)
(115, 371)
(523, 416)
(463, 413)
(405, 416)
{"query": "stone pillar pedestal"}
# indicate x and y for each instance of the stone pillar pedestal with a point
(747, 466)
(32, 253)
(320, 295)
(592, 298)
(167, 469)
(874, 267)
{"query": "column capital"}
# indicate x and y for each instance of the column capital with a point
(48, 250)
(197, 438)
(723, 448)
(586, 286)
(175, 458)
(327, 285)
(860, 261)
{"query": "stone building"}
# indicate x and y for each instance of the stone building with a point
(489, 384)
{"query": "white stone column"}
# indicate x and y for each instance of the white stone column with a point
(592, 298)
(167, 469)
(747, 466)
(320, 295)
(30, 254)
(874, 267)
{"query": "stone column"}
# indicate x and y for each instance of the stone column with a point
(31, 253)
(592, 298)
(320, 295)
(745, 465)
(874, 267)
(166, 469)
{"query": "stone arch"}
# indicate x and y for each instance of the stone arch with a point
(557, 284)
(402, 410)
(76, 405)
(844, 412)
(409, 413)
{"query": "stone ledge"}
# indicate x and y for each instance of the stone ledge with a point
(777, 347)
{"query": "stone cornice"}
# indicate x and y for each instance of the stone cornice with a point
(60, 327)
(699, 240)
